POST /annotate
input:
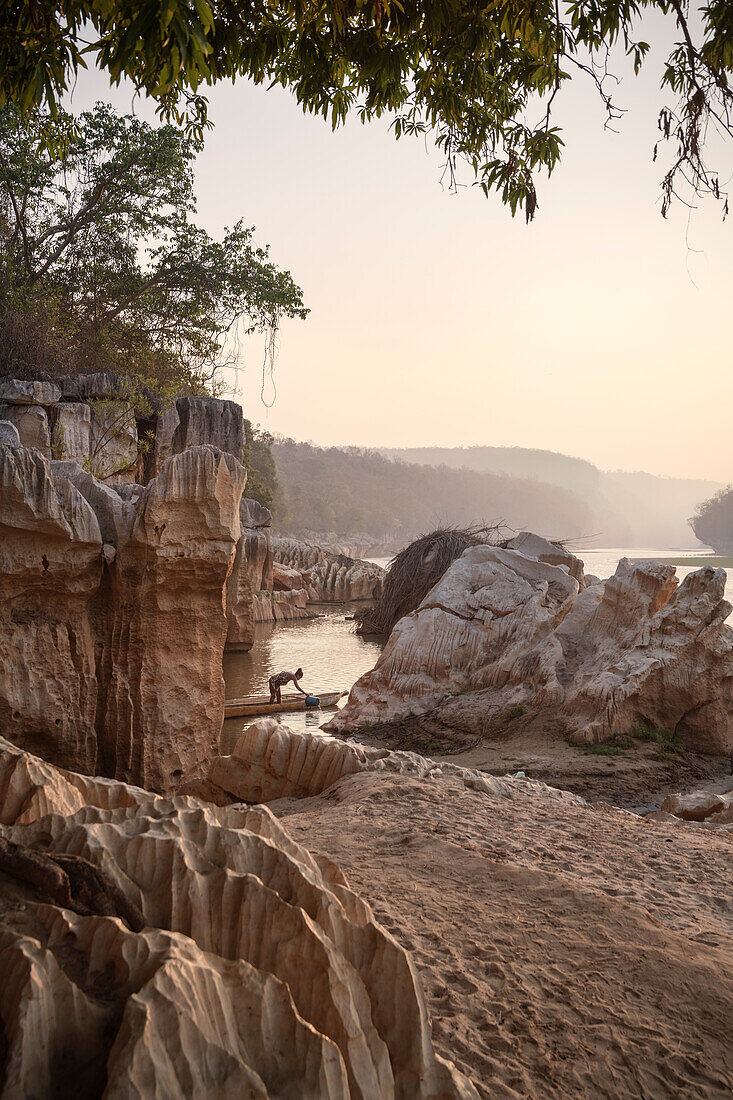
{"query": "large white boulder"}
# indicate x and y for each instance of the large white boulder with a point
(487, 610)
(502, 631)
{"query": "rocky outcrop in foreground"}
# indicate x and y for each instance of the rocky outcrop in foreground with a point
(271, 761)
(252, 970)
(112, 623)
(502, 630)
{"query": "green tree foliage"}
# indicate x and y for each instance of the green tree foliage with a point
(101, 263)
(352, 491)
(713, 521)
(262, 482)
(482, 75)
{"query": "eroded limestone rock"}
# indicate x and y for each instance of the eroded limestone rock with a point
(251, 574)
(114, 441)
(71, 431)
(327, 576)
(9, 433)
(207, 420)
(500, 630)
(32, 426)
(19, 391)
(258, 972)
(50, 571)
(167, 623)
(534, 546)
(488, 609)
(271, 761)
(112, 613)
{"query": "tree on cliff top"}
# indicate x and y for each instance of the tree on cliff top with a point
(482, 75)
(101, 264)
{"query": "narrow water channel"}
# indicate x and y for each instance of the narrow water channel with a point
(331, 655)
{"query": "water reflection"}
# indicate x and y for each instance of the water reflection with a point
(331, 655)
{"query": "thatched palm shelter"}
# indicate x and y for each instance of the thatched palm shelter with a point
(416, 569)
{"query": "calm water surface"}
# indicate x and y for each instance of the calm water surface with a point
(333, 657)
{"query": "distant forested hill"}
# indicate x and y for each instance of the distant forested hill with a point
(351, 490)
(630, 509)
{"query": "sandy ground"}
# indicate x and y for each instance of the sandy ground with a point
(565, 952)
(637, 776)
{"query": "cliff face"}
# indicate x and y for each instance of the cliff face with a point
(251, 574)
(112, 613)
(51, 566)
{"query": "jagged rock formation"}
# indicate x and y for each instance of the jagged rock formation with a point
(501, 630)
(251, 575)
(9, 433)
(257, 972)
(487, 610)
(19, 391)
(112, 622)
(327, 576)
(193, 421)
(271, 761)
(31, 423)
(71, 432)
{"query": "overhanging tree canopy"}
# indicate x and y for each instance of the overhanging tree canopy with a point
(481, 75)
(101, 263)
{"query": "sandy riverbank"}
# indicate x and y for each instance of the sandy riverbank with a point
(565, 952)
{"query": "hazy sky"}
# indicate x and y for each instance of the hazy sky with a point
(600, 330)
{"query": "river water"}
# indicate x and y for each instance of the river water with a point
(333, 656)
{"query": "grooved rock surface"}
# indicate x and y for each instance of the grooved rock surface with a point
(501, 631)
(9, 433)
(167, 624)
(326, 575)
(165, 428)
(282, 607)
(112, 618)
(114, 442)
(258, 972)
(71, 431)
(31, 423)
(271, 761)
(18, 391)
(50, 571)
(208, 420)
(90, 387)
(487, 610)
(251, 574)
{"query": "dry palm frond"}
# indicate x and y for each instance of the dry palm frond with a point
(416, 569)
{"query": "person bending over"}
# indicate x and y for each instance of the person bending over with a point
(278, 681)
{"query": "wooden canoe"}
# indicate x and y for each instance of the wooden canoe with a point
(253, 705)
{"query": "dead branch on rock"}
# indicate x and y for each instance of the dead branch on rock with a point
(417, 568)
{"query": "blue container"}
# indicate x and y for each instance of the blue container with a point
(312, 701)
